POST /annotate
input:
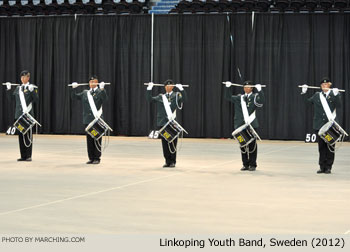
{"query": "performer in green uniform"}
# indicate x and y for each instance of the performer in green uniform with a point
(253, 101)
(333, 98)
(173, 98)
(99, 96)
(30, 95)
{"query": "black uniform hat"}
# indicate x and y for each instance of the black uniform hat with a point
(93, 77)
(25, 73)
(325, 80)
(247, 82)
(168, 82)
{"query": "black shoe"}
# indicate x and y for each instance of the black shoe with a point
(89, 162)
(320, 171)
(166, 165)
(28, 159)
(328, 171)
(172, 165)
(245, 168)
(252, 168)
(21, 159)
(96, 162)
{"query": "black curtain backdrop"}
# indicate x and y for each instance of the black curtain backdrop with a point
(279, 50)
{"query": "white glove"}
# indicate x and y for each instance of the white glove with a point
(258, 87)
(30, 87)
(304, 88)
(8, 85)
(179, 87)
(75, 85)
(335, 91)
(102, 85)
(150, 86)
(228, 84)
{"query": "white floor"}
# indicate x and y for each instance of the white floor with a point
(130, 192)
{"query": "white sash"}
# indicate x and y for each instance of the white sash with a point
(97, 114)
(25, 108)
(247, 118)
(171, 116)
(331, 116)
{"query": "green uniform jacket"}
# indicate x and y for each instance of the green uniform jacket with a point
(254, 101)
(320, 117)
(99, 97)
(162, 117)
(30, 97)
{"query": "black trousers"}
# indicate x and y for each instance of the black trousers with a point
(93, 152)
(26, 152)
(170, 158)
(326, 158)
(249, 159)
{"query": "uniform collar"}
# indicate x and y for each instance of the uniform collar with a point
(248, 94)
(169, 93)
(327, 93)
(25, 84)
(93, 89)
